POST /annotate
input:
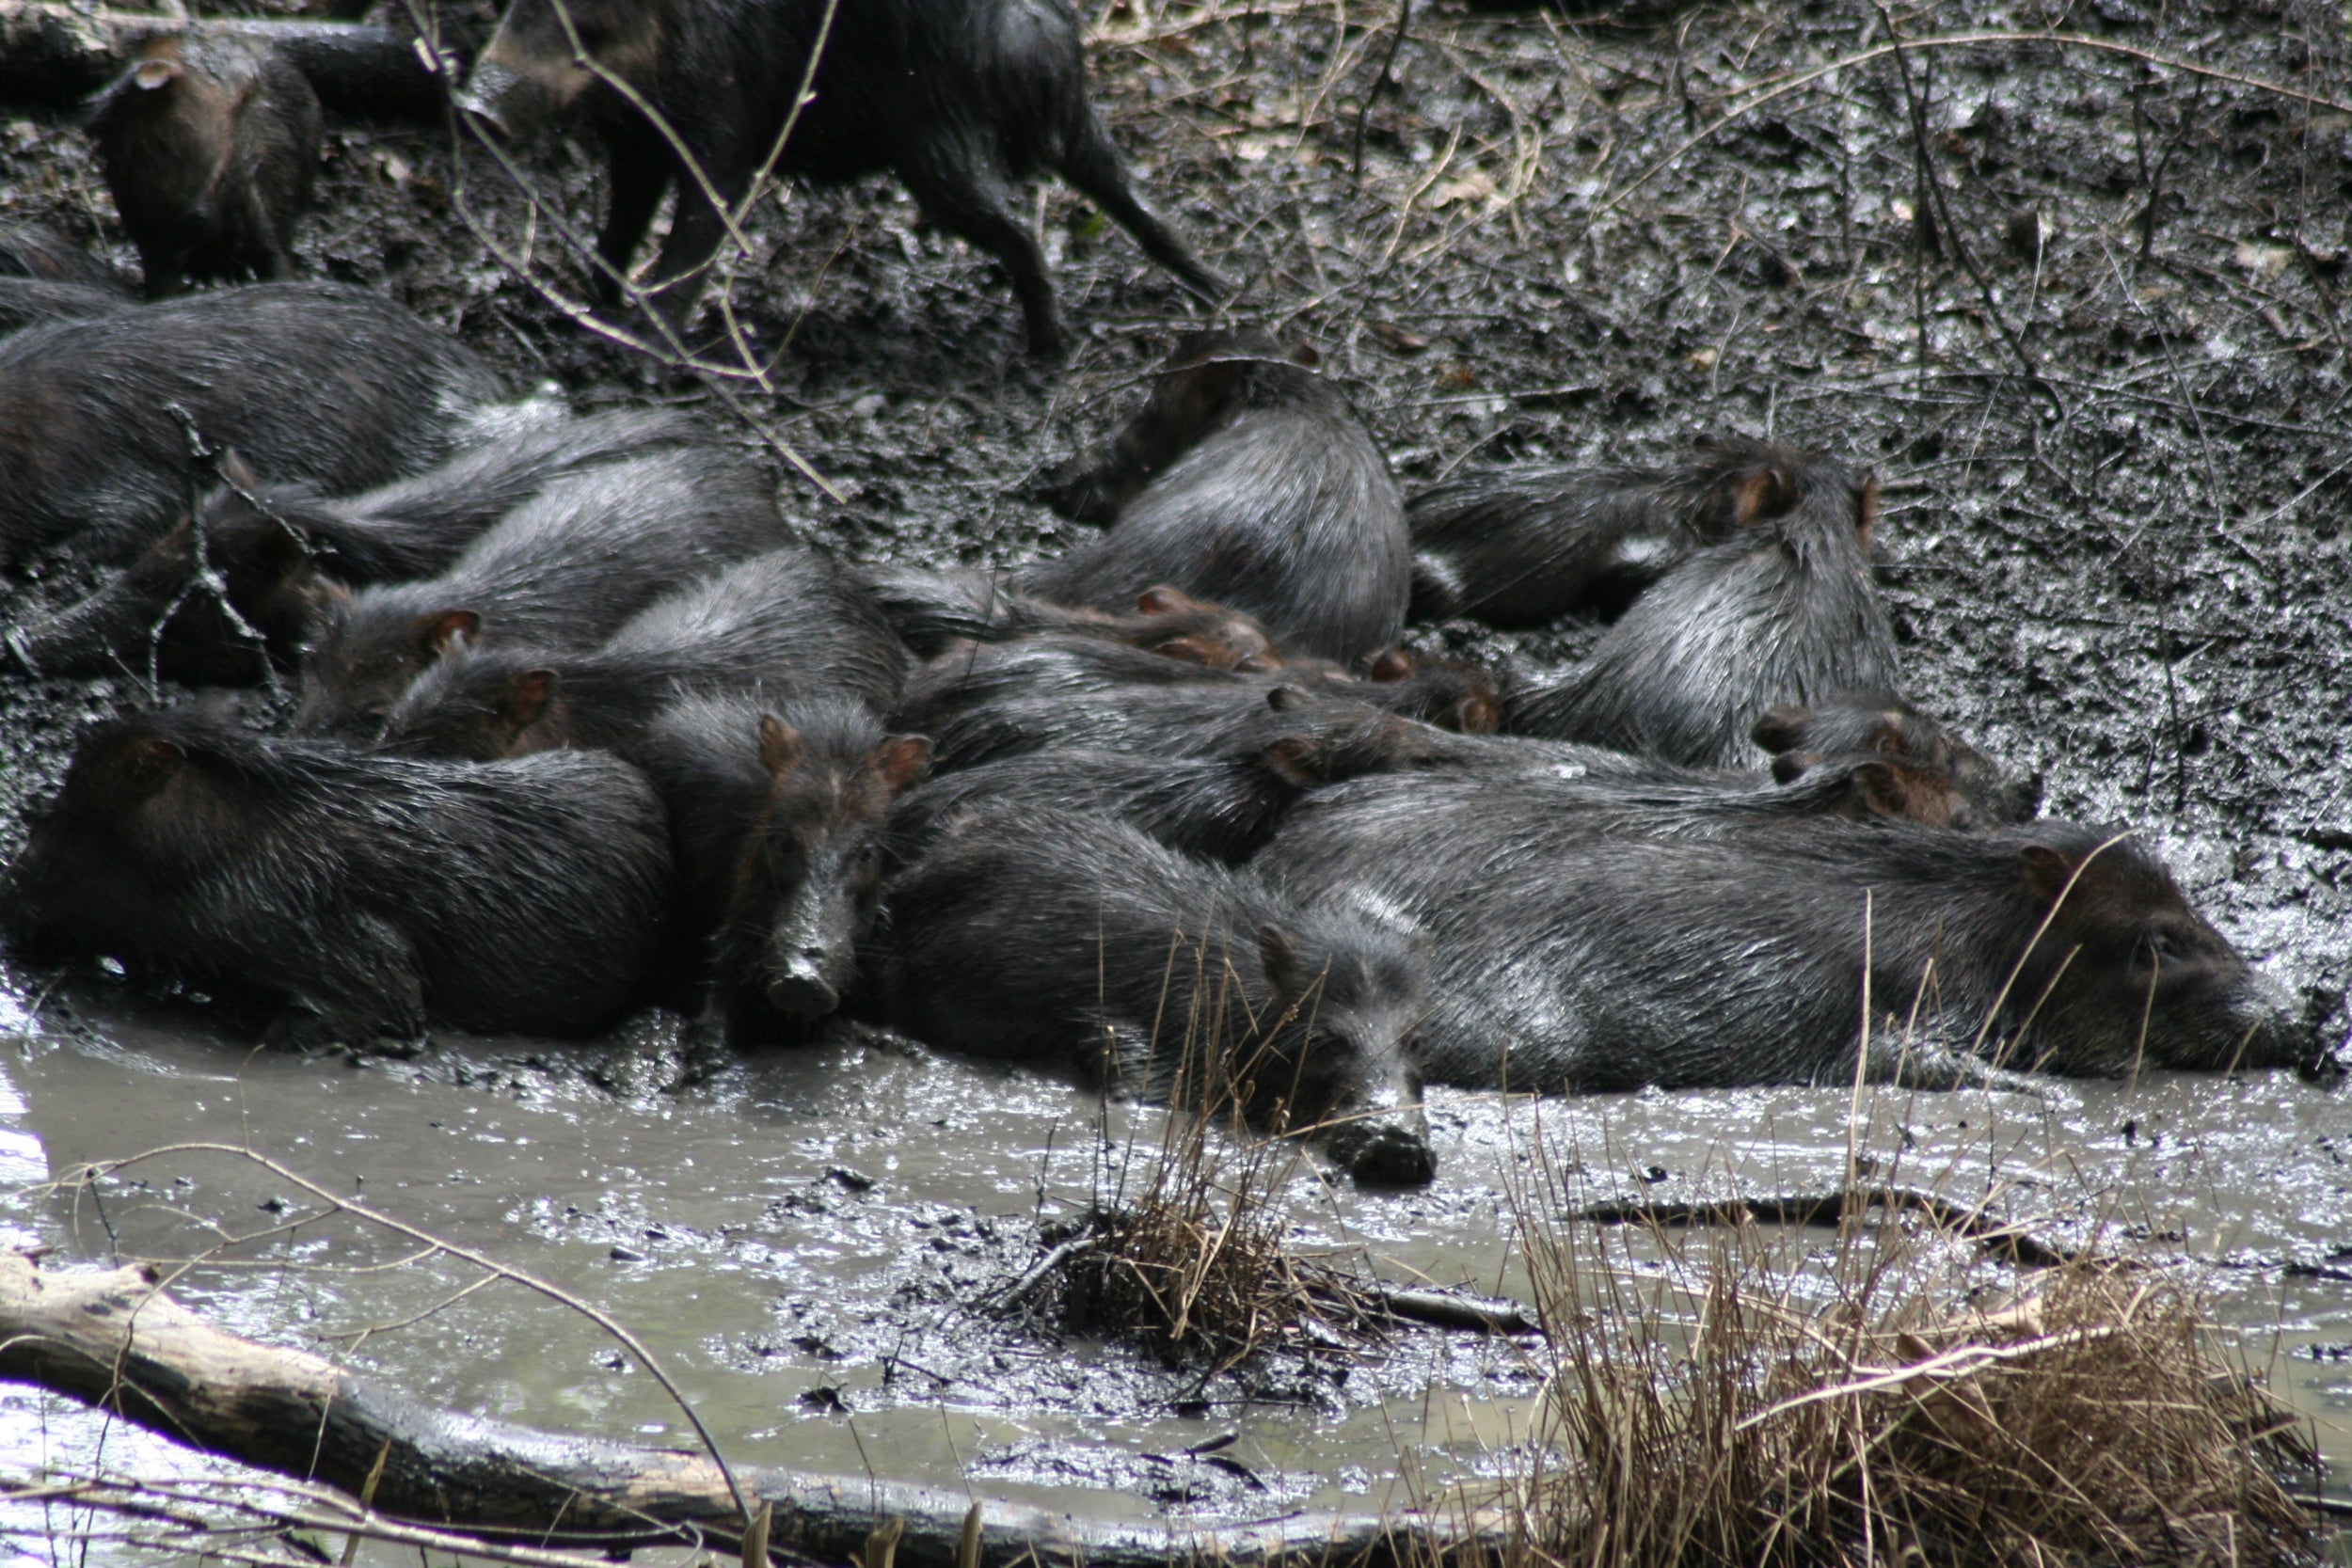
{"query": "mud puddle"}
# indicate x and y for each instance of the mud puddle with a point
(812, 1244)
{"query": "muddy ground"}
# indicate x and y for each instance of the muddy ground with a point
(2077, 303)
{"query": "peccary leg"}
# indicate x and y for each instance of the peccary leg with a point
(1091, 167)
(638, 175)
(358, 986)
(972, 203)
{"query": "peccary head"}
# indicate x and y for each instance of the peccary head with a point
(806, 890)
(1450, 693)
(536, 68)
(2127, 976)
(1333, 1053)
(167, 121)
(368, 651)
(1853, 723)
(480, 703)
(1172, 623)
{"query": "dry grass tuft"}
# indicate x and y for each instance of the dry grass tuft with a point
(1712, 1413)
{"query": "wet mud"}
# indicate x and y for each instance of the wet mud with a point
(2104, 388)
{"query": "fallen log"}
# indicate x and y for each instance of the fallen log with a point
(1998, 1237)
(55, 55)
(115, 1339)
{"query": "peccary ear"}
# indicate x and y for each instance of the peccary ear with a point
(1194, 650)
(1881, 789)
(1280, 956)
(1287, 699)
(280, 547)
(1163, 599)
(1474, 715)
(779, 745)
(2045, 871)
(904, 759)
(151, 74)
(148, 763)
(1866, 514)
(1782, 728)
(237, 471)
(527, 694)
(1392, 664)
(1293, 759)
(447, 631)
(1762, 494)
(1791, 765)
(1303, 353)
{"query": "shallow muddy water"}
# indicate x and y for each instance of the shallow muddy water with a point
(811, 1243)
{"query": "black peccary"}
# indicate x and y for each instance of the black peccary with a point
(315, 382)
(30, 301)
(1522, 547)
(1569, 955)
(1782, 611)
(1248, 480)
(564, 570)
(1882, 722)
(784, 621)
(956, 97)
(778, 816)
(933, 608)
(993, 698)
(365, 897)
(210, 146)
(281, 550)
(35, 252)
(1071, 941)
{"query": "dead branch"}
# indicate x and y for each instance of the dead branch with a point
(115, 1339)
(1829, 1208)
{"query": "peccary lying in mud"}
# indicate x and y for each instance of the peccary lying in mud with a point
(1073, 943)
(1250, 480)
(1574, 952)
(362, 898)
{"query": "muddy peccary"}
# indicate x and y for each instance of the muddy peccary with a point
(1522, 547)
(1850, 723)
(1248, 479)
(312, 382)
(932, 609)
(786, 622)
(777, 820)
(279, 551)
(210, 147)
(1074, 943)
(564, 570)
(1565, 959)
(37, 253)
(956, 97)
(30, 301)
(1782, 611)
(364, 897)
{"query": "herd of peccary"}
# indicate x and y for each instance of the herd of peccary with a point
(580, 726)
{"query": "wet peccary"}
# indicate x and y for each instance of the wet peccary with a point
(932, 609)
(994, 699)
(365, 897)
(564, 570)
(1522, 547)
(29, 301)
(1881, 723)
(1568, 959)
(956, 97)
(309, 381)
(1071, 941)
(38, 253)
(210, 147)
(277, 551)
(784, 621)
(1782, 611)
(777, 821)
(1249, 479)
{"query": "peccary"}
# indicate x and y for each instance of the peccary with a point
(958, 98)
(364, 897)
(1782, 611)
(211, 145)
(1522, 547)
(280, 550)
(561, 571)
(932, 610)
(1073, 943)
(1248, 480)
(312, 382)
(1568, 959)
(782, 621)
